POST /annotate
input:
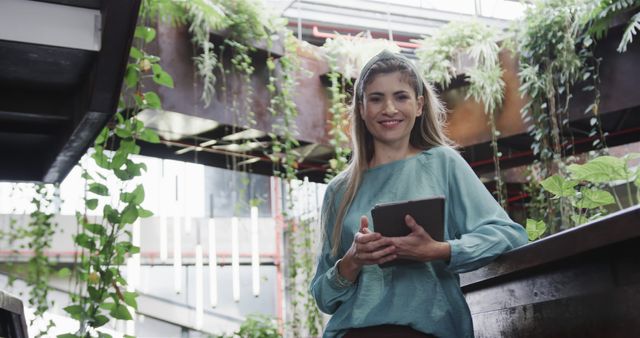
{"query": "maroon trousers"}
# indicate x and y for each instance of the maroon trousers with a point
(386, 331)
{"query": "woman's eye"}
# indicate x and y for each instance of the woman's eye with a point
(403, 97)
(374, 99)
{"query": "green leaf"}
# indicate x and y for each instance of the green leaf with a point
(67, 335)
(123, 133)
(138, 195)
(535, 229)
(144, 213)
(129, 214)
(95, 228)
(85, 241)
(101, 159)
(129, 147)
(152, 100)
(108, 306)
(592, 199)
(163, 78)
(104, 335)
(118, 159)
(130, 299)
(107, 277)
(123, 174)
(149, 135)
(99, 189)
(559, 186)
(133, 168)
(135, 197)
(120, 311)
(135, 53)
(102, 137)
(603, 169)
(92, 204)
(111, 214)
(145, 33)
(94, 294)
(579, 219)
(74, 310)
(99, 321)
(131, 76)
(64, 273)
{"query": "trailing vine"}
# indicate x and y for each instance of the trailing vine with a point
(37, 237)
(439, 56)
(338, 123)
(105, 243)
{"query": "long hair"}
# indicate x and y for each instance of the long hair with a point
(427, 132)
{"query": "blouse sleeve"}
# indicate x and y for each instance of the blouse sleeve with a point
(328, 287)
(483, 230)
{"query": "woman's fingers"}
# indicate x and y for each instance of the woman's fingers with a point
(377, 257)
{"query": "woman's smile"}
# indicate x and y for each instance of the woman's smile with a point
(390, 109)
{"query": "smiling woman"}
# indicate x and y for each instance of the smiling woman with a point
(401, 153)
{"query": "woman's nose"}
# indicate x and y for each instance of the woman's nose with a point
(389, 107)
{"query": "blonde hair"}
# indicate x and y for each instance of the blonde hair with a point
(427, 132)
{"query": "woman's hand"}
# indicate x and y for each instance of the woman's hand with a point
(419, 245)
(367, 248)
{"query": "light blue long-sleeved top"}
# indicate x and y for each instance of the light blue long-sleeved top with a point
(425, 296)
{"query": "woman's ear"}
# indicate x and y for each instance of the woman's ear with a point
(420, 105)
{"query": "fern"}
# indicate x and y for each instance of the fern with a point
(627, 37)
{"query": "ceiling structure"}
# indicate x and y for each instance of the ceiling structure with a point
(401, 21)
(61, 69)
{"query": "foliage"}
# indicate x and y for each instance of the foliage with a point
(36, 236)
(283, 110)
(347, 54)
(301, 264)
(339, 124)
(535, 229)
(256, 326)
(587, 189)
(606, 10)
(439, 56)
(106, 243)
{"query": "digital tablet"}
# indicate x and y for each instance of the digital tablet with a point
(388, 219)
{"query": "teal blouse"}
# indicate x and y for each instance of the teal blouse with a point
(425, 296)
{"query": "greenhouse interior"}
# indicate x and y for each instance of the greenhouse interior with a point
(169, 167)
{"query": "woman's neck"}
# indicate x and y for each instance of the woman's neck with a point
(384, 153)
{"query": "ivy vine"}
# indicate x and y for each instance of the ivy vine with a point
(105, 243)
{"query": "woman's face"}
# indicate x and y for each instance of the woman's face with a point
(390, 108)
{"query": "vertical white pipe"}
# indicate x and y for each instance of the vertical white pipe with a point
(255, 252)
(199, 288)
(177, 254)
(164, 255)
(213, 262)
(235, 259)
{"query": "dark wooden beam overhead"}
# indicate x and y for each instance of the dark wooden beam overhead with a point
(54, 100)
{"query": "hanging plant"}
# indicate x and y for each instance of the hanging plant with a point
(606, 10)
(440, 57)
(106, 242)
(554, 48)
(36, 236)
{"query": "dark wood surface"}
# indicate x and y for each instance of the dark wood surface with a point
(584, 282)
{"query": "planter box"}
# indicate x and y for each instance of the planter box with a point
(584, 282)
